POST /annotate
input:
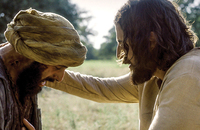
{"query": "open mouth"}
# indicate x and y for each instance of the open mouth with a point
(42, 83)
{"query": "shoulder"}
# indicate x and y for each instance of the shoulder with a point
(183, 78)
(184, 75)
(178, 99)
(188, 64)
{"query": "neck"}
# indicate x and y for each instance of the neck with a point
(160, 74)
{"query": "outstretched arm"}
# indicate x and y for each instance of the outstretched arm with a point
(115, 89)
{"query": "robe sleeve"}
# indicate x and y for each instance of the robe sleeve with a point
(2, 106)
(107, 90)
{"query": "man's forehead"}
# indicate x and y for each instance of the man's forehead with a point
(119, 33)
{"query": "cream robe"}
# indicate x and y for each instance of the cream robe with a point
(175, 106)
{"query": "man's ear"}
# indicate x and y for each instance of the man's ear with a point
(153, 40)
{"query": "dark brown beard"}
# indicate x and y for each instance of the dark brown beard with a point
(143, 73)
(28, 81)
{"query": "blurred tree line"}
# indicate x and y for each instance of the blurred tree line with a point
(191, 10)
(8, 9)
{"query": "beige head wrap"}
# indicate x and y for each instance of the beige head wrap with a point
(47, 38)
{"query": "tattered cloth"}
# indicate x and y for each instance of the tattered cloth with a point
(47, 38)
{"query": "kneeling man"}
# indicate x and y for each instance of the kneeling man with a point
(39, 47)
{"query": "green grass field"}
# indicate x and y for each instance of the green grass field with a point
(62, 111)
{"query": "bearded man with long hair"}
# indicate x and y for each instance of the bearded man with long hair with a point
(39, 47)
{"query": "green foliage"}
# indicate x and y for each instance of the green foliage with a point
(102, 68)
(84, 31)
(80, 114)
(108, 48)
(9, 8)
(192, 13)
(92, 52)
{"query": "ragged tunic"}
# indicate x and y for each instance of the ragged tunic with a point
(173, 105)
(11, 111)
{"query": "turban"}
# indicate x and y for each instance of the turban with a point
(47, 38)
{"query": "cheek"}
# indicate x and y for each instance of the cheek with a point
(118, 52)
(130, 56)
(130, 53)
(46, 73)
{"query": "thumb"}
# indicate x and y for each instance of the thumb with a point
(23, 128)
(28, 125)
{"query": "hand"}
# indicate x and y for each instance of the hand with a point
(27, 125)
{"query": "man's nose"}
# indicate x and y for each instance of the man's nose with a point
(118, 52)
(58, 76)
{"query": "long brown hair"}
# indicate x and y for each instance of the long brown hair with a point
(174, 36)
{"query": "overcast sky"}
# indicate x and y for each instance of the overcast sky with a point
(103, 12)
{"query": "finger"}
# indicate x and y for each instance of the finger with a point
(23, 128)
(28, 125)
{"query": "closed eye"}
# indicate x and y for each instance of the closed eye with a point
(60, 67)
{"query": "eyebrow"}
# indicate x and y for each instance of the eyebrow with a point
(63, 66)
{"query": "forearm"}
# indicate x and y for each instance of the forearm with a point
(97, 89)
